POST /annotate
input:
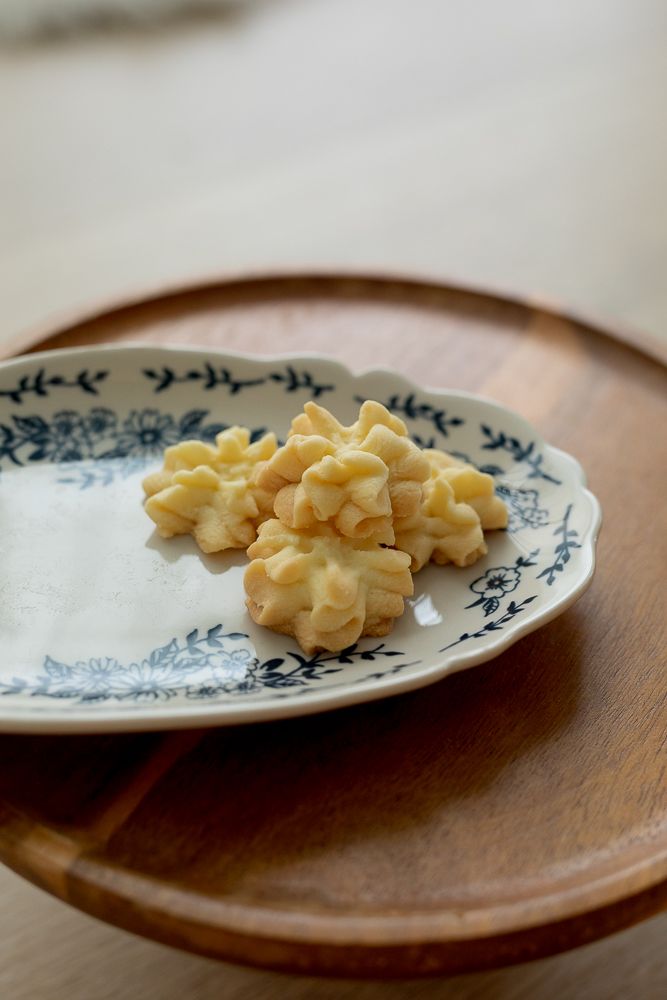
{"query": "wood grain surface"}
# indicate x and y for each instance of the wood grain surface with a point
(511, 811)
(50, 950)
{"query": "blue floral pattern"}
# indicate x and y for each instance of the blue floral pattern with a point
(499, 581)
(201, 666)
(523, 507)
(94, 446)
(103, 444)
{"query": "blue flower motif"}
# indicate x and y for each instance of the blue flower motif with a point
(497, 582)
(232, 666)
(144, 681)
(66, 424)
(533, 517)
(89, 679)
(200, 666)
(100, 421)
(523, 506)
(96, 675)
(230, 673)
(65, 439)
(97, 447)
(146, 432)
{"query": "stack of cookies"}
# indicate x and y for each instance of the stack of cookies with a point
(335, 521)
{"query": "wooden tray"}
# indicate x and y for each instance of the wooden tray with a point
(508, 812)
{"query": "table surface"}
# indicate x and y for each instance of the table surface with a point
(132, 163)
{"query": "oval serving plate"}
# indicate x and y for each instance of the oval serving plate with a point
(108, 627)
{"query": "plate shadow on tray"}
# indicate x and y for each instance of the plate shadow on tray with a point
(291, 794)
(268, 810)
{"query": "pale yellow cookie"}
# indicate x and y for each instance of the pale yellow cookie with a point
(358, 477)
(380, 433)
(351, 491)
(470, 486)
(442, 530)
(210, 491)
(318, 420)
(323, 589)
(219, 514)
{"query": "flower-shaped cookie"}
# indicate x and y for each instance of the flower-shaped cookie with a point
(470, 486)
(324, 589)
(220, 514)
(442, 530)
(210, 491)
(358, 477)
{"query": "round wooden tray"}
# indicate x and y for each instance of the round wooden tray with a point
(508, 812)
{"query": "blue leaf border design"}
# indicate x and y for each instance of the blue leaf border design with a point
(513, 609)
(41, 384)
(210, 377)
(408, 405)
(519, 452)
(563, 549)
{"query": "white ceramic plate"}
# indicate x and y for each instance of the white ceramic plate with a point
(107, 627)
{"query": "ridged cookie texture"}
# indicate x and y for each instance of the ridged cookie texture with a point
(442, 530)
(210, 491)
(459, 504)
(335, 521)
(324, 589)
(470, 486)
(356, 477)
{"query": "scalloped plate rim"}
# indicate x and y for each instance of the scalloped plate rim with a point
(203, 715)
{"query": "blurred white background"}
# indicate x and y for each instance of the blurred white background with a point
(518, 144)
